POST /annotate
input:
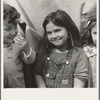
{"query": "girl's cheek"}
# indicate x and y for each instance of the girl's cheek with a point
(48, 38)
(16, 32)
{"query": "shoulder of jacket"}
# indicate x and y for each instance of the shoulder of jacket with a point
(90, 51)
(79, 49)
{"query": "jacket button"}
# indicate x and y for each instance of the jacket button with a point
(47, 75)
(48, 58)
(67, 62)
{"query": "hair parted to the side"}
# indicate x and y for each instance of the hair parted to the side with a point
(10, 13)
(88, 21)
(87, 37)
(61, 18)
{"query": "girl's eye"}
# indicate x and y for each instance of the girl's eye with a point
(7, 29)
(95, 33)
(48, 33)
(57, 30)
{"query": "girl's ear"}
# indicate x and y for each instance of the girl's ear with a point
(70, 39)
(69, 35)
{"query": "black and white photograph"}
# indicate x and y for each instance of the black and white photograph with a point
(49, 47)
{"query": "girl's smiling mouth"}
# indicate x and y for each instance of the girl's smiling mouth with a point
(11, 37)
(56, 39)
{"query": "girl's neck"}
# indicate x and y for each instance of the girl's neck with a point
(59, 51)
(62, 49)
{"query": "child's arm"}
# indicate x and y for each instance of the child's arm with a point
(40, 59)
(40, 81)
(81, 72)
(27, 52)
(78, 83)
(28, 55)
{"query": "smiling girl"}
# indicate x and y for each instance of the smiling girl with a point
(61, 62)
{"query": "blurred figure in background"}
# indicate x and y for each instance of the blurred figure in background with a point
(89, 37)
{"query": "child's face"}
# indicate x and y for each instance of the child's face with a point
(57, 35)
(94, 34)
(9, 32)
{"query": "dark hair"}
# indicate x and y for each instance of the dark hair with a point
(60, 18)
(10, 13)
(86, 37)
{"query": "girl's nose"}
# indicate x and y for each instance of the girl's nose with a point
(54, 35)
(12, 33)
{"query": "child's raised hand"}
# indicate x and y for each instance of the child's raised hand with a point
(21, 41)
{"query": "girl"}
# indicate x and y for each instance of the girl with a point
(89, 38)
(61, 62)
(90, 45)
(16, 50)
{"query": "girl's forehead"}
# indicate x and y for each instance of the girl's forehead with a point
(7, 24)
(51, 25)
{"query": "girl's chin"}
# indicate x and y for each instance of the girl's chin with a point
(57, 44)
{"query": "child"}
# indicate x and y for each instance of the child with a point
(89, 37)
(16, 50)
(90, 45)
(61, 62)
(90, 50)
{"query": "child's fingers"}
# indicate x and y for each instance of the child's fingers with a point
(18, 40)
(22, 38)
(19, 43)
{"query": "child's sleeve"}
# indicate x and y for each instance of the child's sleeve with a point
(82, 67)
(39, 63)
(30, 58)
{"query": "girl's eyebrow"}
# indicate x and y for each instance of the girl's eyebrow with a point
(48, 32)
(94, 33)
(54, 29)
(58, 29)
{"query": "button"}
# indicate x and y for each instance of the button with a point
(48, 58)
(47, 75)
(67, 62)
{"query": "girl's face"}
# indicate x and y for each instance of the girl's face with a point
(94, 34)
(9, 32)
(57, 35)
